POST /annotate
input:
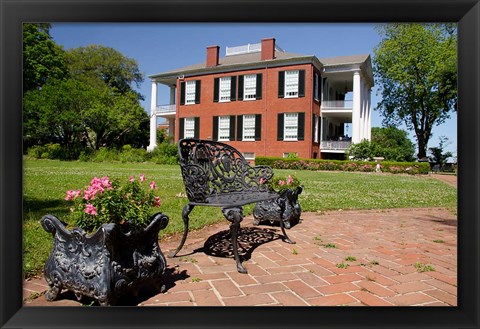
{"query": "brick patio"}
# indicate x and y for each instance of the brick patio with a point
(353, 258)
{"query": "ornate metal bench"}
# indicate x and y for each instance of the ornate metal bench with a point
(217, 175)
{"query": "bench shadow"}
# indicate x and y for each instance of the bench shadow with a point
(249, 238)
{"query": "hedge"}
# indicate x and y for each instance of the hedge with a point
(412, 168)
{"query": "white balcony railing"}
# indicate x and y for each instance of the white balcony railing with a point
(248, 48)
(335, 145)
(162, 109)
(337, 105)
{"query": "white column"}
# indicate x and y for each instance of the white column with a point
(356, 107)
(365, 111)
(369, 112)
(153, 118)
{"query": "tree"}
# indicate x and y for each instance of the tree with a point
(393, 144)
(390, 143)
(415, 66)
(438, 154)
(99, 66)
(53, 114)
(43, 59)
(115, 120)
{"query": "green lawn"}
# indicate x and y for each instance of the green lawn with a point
(45, 183)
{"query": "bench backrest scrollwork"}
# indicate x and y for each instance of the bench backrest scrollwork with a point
(210, 168)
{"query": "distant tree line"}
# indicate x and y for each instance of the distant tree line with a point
(79, 98)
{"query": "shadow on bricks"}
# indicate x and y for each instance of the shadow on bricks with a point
(250, 238)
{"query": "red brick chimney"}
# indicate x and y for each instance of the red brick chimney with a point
(268, 48)
(212, 55)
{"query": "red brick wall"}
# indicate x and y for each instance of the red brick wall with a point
(269, 106)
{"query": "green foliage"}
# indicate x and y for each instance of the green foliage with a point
(438, 154)
(107, 201)
(363, 151)
(52, 151)
(43, 59)
(412, 168)
(165, 153)
(53, 114)
(420, 267)
(101, 66)
(393, 144)
(415, 67)
(92, 103)
(390, 143)
(281, 184)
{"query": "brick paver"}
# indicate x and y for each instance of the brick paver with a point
(373, 264)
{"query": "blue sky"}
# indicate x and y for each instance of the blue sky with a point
(156, 48)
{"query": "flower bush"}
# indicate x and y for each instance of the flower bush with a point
(280, 184)
(108, 201)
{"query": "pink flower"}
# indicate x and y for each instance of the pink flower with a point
(132, 179)
(142, 177)
(281, 182)
(90, 209)
(106, 183)
(152, 185)
(157, 202)
(289, 180)
(71, 194)
(263, 180)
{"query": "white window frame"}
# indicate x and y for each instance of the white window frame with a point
(248, 133)
(315, 92)
(224, 128)
(249, 87)
(190, 92)
(291, 84)
(290, 127)
(225, 89)
(249, 155)
(317, 119)
(189, 128)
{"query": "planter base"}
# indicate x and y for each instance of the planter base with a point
(105, 264)
(270, 211)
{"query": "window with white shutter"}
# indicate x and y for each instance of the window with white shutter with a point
(250, 87)
(224, 128)
(291, 84)
(189, 128)
(291, 127)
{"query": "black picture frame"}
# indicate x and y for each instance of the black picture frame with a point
(14, 13)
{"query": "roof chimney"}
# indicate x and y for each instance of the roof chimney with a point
(268, 48)
(212, 55)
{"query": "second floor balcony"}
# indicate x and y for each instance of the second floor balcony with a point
(337, 105)
(330, 145)
(166, 110)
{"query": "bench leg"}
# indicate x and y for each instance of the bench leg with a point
(235, 216)
(185, 212)
(281, 204)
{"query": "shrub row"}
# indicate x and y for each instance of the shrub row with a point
(412, 168)
(164, 154)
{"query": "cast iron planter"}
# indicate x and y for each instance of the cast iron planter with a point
(106, 264)
(270, 210)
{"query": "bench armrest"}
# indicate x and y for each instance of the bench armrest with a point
(195, 180)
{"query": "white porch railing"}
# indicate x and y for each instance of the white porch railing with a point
(335, 145)
(346, 105)
(248, 48)
(165, 108)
